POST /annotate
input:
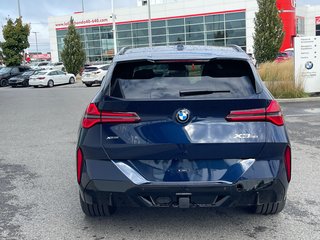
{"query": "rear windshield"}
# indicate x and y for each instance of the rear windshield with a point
(183, 79)
(90, 69)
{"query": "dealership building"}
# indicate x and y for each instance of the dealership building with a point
(189, 22)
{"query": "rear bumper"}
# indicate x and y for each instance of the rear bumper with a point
(38, 83)
(105, 182)
(91, 80)
(243, 193)
(17, 83)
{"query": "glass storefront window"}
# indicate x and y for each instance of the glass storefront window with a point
(215, 26)
(214, 18)
(237, 41)
(140, 25)
(124, 42)
(159, 39)
(125, 34)
(94, 36)
(173, 30)
(95, 51)
(175, 22)
(93, 44)
(195, 36)
(61, 33)
(215, 34)
(108, 35)
(177, 38)
(123, 27)
(159, 31)
(195, 43)
(235, 16)
(155, 24)
(140, 33)
(194, 20)
(105, 28)
(236, 33)
(218, 42)
(236, 24)
(195, 28)
(139, 41)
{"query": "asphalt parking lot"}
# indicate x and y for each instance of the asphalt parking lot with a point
(39, 195)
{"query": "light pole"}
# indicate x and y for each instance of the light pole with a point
(149, 24)
(19, 9)
(82, 6)
(114, 29)
(35, 33)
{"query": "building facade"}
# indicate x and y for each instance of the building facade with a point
(189, 22)
(308, 20)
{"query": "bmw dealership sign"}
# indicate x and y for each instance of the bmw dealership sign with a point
(307, 63)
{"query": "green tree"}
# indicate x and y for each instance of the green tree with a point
(268, 31)
(15, 36)
(73, 54)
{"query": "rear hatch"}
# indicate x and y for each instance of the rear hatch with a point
(168, 121)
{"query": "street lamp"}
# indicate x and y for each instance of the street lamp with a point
(19, 9)
(82, 6)
(114, 29)
(149, 24)
(35, 33)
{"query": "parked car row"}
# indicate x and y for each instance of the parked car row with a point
(49, 74)
(8, 72)
(26, 76)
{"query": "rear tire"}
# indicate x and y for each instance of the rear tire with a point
(88, 84)
(26, 84)
(269, 208)
(3, 83)
(71, 80)
(50, 83)
(96, 210)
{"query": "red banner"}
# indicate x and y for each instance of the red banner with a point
(318, 20)
(40, 56)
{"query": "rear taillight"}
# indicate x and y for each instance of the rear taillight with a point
(79, 164)
(97, 72)
(271, 114)
(41, 78)
(287, 162)
(93, 116)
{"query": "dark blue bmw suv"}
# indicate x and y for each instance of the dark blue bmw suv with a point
(183, 126)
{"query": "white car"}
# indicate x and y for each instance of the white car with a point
(39, 65)
(55, 66)
(51, 78)
(94, 74)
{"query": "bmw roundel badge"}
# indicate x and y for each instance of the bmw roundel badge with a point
(309, 65)
(183, 115)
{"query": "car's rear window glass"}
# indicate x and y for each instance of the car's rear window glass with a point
(40, 73)
(182, 79)
(90, 69)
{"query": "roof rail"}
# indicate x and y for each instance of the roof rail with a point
(123, 50)
(236, 47)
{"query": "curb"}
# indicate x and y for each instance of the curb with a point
(293, 100)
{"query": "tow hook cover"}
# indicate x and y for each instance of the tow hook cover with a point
(184, 202)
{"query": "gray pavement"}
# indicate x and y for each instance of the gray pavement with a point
(39, 194)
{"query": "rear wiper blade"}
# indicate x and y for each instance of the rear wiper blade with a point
(200, 92)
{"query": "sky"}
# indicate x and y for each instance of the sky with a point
(37, 12)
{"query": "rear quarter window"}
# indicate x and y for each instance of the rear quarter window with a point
(183, 79)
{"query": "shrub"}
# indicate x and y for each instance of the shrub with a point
(280, 79)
